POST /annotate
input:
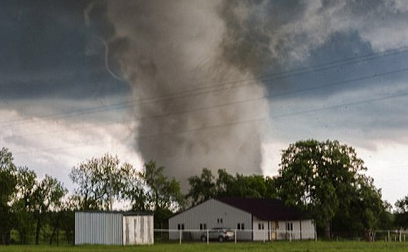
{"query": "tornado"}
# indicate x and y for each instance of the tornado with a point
(196, 101)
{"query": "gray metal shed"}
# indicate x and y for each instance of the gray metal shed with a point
(113, 228)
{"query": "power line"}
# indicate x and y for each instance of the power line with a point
(219, 87)
(240, 122)
(266, 96)
(342, 105)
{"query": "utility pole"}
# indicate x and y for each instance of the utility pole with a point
(110, 192)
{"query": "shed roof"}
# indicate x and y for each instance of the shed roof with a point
(124, 213)
(266, 209)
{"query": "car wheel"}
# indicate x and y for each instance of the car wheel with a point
(203, 238)
(220, 239)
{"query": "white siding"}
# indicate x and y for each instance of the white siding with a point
(302, 230)
(138, 230)
(211, 211)
(308, 230)
(98, 228)
(260, 234)
(208, 213)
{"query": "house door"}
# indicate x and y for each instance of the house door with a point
(274, 231)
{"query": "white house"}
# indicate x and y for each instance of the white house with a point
(253, 219)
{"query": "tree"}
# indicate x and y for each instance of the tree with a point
(48, 196)
(162, 194)
(365, 210)
(386, 219)
(23, 204)
(150, 190)
(326, 179)
(64, 220)
(224, 183)
(8, 183)
(206, 186)
(203, 187)
(100, 181)
(253, 186)
(401, 214)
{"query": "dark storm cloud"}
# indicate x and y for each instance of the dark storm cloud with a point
(251, 30)
(45, 53)
(343, 63)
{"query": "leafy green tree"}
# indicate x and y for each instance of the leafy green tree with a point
(203, 187)
(136, 191)
(100, 181)
(401, 213)
(206, 186)
(365, 211)
(386, 218)
(163, 195)
(66, 218)
(23, 204)
(48, 196)
(271, 191)
(252, 186)
(150, 190)
(62, 220)
(326, 179)
(224, 183)
(8, 183)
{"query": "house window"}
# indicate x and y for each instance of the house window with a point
(240, 226)
(203, 226)
(180, 226)
(261, 226)
(289, 226)
(219, 220)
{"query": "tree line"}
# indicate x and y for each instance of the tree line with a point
(326, 180)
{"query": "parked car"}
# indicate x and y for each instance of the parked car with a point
(220, 234)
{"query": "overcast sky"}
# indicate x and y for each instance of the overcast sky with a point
(75, 76)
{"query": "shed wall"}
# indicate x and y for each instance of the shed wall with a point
(138, 230)
(98, 228)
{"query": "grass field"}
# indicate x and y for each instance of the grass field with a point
(226, 247)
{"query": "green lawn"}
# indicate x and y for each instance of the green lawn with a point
(221, 247)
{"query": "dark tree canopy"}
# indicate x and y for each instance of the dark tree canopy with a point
(8, 182)
(202, 187)
(207, 186)
(401, 214)
(25, 202)
(327, 179)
